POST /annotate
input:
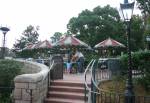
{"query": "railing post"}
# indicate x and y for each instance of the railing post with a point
(48, 77)
(85, 91)
(94, 88)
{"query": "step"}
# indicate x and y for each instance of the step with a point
(67, 89)
(66, 95)
(68, 83)
(61, 100)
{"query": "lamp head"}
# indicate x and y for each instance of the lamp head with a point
(4, 29)
(127, 10)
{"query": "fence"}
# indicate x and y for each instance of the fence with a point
(97, 95)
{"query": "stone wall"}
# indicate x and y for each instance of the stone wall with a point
(31, 88)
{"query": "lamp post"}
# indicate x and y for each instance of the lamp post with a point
(127, 12)
(4, 30)
(148, 41)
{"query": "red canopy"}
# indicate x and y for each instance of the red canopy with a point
(109, 43)
(43, 44)
(70, 41)
(29, 46)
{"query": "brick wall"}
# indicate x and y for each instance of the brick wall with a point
(31, 88)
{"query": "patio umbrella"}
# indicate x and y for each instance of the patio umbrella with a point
(70, 41)
(109, 43)
(43, 44)
(29, 46)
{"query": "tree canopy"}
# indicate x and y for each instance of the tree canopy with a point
(97, 25)
(144, 5)
(29, 35)
(56, 37)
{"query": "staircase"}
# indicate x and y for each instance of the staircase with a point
(66, 92)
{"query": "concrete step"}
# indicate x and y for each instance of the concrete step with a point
(68, 83)
(62, 100)
(66, 95)
(67, 89)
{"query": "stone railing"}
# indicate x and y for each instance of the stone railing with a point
(31, 87)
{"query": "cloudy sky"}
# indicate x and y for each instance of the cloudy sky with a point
(51, 15)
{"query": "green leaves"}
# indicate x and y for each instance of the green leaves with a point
(97, 25)
(29, 35)
(8, 70)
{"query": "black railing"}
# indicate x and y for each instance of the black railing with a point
(97, 95)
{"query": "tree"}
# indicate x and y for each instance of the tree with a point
(144, 5)
(29, 35)
(137, 33)
(97, 25)
(56, 37)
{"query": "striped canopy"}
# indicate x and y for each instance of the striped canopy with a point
(29, 46)
(43, 44)
(109, 43)
(70, 41)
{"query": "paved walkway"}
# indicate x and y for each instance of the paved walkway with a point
(75, 78)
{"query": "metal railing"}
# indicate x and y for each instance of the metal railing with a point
(50, 68)
(97, 95)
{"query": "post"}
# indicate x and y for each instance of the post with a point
(4, 30)
(129, 94)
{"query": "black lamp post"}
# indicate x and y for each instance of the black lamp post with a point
(148, 41)
(127, 12)
(4, 30)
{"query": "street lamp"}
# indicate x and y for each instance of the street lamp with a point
(4, 30)
(148, 41)
(127, 12)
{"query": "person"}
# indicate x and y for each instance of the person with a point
(69, 67)
(80, 61)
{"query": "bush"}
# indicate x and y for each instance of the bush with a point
(140, 61)
(8, 70)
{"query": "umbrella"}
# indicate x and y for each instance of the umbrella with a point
(70, 41)
(43, 44)
(29, 46)
(109, 43)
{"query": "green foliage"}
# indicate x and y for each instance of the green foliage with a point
(137, 33)
(56, 37)
(97, 25)
(140, 61)
(8, 70)
(144, 5)
(29, 35)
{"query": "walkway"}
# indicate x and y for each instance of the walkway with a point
(76, 78)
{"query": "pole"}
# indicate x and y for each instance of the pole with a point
(129, 94)
(3, 48)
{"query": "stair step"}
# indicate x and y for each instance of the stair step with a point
(66, 95)
(61, 100)
(68, 83)
(67, 89)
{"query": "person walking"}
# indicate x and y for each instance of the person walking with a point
(80, 61)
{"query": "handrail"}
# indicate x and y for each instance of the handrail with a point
(93, 78)
(50, 68)
(49, 76)
(86, 84)
(86, 72)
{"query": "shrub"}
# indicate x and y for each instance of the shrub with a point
(8, 70)
(140, 61)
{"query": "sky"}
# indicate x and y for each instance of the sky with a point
(51, 15)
